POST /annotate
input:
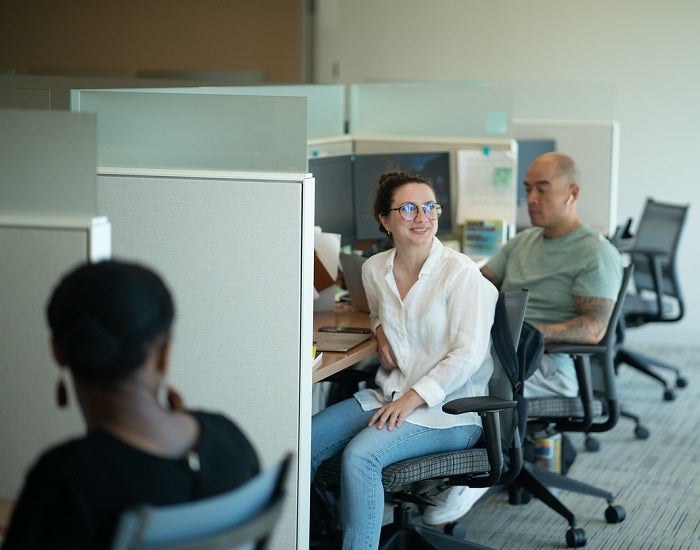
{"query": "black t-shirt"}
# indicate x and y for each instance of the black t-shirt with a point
(73, 496)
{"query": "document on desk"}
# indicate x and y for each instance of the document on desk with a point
(339, 342)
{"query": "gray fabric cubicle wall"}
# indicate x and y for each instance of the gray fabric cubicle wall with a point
(231, 251)
(47, 226)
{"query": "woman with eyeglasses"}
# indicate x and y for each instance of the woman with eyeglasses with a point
(431, 311)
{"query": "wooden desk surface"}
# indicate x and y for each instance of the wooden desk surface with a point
(335, 362)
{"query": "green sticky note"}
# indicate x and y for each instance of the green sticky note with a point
(503, 177)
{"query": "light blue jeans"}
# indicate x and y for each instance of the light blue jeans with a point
(342, 427)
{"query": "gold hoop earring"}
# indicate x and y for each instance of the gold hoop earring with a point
(62, 391)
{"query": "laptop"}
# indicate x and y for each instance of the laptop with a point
(339, 342)
(351, 265)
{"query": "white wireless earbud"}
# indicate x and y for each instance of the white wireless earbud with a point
(569, 200)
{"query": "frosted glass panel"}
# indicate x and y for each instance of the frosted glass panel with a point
(197, 131)
(458, 110)
(325, 108)
(584, 101)
(25, 98)
(48, 163)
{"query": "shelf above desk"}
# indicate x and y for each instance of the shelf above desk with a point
(335, 362)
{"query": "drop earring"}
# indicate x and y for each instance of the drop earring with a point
(62, 391)
(174, 399)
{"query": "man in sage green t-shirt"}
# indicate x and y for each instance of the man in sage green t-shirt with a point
(573, 273)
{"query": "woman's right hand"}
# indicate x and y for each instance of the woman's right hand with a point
(386, 354)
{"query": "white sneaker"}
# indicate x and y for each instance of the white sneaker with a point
(452, 504)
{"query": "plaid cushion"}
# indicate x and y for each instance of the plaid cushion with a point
(560, 407)
(411, 470)
(439, 465)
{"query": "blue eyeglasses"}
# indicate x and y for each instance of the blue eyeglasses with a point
(409, 210)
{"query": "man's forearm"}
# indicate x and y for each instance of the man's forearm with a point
(586, 328)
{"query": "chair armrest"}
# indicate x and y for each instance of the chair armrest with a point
(482, 404)
(489, 408)
(650, 253)
(655, 258)
(574, 349)
(581, 354)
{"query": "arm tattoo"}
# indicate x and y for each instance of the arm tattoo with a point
(588, 327)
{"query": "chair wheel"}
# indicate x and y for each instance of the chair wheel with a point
(669, 395)
(640, 432)
(456, 529)
(681, 382)
(615, 513)
(576, 537)
(592, 444)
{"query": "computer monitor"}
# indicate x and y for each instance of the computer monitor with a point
(368, 168)
(334, 200)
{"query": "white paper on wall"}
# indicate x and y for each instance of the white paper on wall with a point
(486, 185)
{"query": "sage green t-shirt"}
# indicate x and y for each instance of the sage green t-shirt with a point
(581, 263)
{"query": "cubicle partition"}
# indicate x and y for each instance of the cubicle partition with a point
(595, 147)
(457, 134)
(212, 191)
(48, 224)
(325, 103)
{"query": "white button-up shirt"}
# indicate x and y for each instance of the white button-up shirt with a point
(440, 333)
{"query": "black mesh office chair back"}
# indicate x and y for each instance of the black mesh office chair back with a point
(596, 409)
(657, 296)
(654, 251)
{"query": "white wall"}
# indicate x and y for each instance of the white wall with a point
(631, 61)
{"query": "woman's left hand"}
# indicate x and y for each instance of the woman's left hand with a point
(393, 414)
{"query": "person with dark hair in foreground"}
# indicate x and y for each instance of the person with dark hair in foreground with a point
(110, 327)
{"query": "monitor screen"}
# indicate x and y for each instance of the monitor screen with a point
(368, 168)
(334, 201)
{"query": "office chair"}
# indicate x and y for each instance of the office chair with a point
(657, 296)
(596, 409)
(497, 461)
(241, 518)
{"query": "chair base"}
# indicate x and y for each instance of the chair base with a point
(537, 481)
(644, 364)
(640, 431)
(419, 537)
(404, 535)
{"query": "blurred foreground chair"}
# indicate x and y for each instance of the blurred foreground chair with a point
(496, 461)
(596, 409)
(241, 518)
(656, 296)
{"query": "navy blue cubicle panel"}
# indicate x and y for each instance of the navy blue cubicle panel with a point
(334, 211)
